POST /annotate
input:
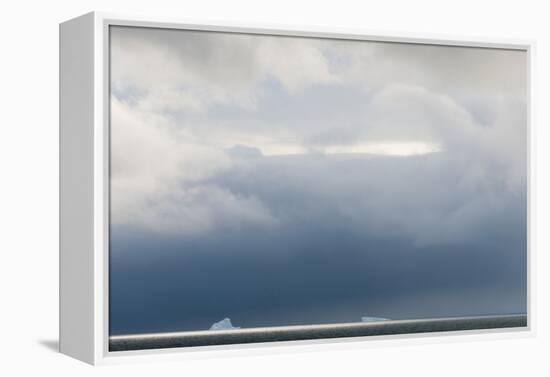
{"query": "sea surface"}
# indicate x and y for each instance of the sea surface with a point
(289, 333)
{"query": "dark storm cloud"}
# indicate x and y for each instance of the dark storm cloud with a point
(325, 265)
(312, 274)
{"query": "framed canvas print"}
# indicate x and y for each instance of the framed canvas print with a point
(224, 185)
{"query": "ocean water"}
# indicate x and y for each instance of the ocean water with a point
(275, 334)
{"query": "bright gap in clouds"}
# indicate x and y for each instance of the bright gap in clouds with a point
(387, 148)
(402, 149)
(277, 149)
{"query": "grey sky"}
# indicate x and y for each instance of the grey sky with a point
(419, 147)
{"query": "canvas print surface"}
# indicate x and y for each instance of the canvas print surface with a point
(261, 181)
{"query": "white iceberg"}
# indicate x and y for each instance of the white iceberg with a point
(373, 319)
(224, 324)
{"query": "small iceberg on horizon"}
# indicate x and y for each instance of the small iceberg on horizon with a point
(373, 319)
(224, 324)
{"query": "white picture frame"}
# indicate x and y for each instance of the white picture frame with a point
(84, 193)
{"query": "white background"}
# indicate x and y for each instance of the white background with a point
(29, 189)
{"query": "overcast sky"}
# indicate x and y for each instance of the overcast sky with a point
(279, 180)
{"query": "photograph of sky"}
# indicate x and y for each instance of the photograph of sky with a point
(261, 180)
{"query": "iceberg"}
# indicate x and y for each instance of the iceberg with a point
(224, 324)
(373, 319)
